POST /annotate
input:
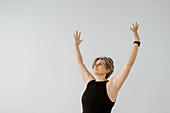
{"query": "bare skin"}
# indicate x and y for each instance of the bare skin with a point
(115, 83)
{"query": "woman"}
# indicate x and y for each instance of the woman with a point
(100, 94)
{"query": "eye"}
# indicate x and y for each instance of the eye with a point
(100, 64)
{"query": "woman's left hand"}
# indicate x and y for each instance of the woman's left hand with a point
(134, 30)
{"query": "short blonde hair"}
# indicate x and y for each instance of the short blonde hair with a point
(108, 63)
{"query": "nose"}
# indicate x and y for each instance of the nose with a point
(96, 65)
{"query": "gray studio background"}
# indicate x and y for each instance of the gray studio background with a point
(38, 71)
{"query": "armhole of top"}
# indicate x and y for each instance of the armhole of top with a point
(89, 83)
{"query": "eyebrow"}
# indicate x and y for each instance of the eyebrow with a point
(100, 63)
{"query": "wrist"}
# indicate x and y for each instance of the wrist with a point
(137, 40)
(76, 44)
(136, 37)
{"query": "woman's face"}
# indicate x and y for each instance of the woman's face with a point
(99, 67)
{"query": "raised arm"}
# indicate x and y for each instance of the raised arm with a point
(85, 74)
(118, 80)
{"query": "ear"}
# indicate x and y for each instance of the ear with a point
(108, 70)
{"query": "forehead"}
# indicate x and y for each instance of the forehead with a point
(99, 61)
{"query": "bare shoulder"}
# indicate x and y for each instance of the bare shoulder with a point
(111, 81)
(111, 85)
(90, 78)
(111, 90)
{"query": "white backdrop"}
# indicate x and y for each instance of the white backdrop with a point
(38, 71)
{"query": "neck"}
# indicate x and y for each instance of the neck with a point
(100, 78)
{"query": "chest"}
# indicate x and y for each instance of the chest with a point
(99, 92)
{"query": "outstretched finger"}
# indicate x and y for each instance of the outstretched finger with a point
(131, 29)
(133, 25)
(74, 35)
(136, 24)
(79, 34)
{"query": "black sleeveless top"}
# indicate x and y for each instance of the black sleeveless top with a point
(95, 98)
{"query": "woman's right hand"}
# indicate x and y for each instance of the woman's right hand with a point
(77, 38)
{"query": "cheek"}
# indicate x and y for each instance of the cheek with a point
(101, 68)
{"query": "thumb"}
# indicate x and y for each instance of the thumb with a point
(131, 28)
